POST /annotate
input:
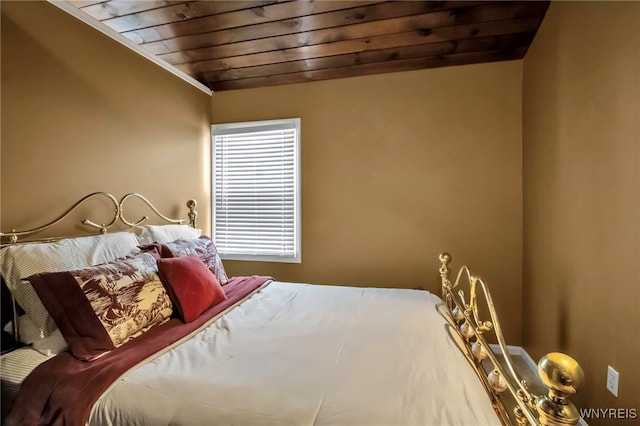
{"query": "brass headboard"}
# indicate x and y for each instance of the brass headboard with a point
(12, 236)
(562, 375)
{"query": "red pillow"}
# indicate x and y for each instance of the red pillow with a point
(191, 285)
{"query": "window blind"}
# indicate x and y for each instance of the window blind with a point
(256, 190)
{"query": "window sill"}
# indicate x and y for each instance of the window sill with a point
(259, 258)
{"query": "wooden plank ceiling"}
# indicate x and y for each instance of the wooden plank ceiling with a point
(244, 44)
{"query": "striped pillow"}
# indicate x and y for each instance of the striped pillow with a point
(23, 260)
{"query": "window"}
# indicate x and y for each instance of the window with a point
(256, 190)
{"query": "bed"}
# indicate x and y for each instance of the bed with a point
(144, 327)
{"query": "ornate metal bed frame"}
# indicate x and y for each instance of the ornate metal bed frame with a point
(562, 375)
(559, 372)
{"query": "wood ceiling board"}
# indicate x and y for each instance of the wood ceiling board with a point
(510, 41)
(377, 68)
(206, 22)
(115, 8)
(292, 25)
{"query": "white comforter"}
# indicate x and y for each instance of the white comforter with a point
(298, 354)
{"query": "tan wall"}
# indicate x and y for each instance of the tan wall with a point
(82, 113)
(397, 168)
(581, 139)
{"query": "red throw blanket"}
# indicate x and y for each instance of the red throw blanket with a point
(62, 390)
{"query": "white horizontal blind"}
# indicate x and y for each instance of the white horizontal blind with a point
(256, 190)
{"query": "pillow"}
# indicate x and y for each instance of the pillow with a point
(192, 286)
(20, 261)
(204, 249)
(165, 233)
(27, 330)
(102, 307)
(53, 344)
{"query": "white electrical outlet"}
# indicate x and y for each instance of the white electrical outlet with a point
(612, 380)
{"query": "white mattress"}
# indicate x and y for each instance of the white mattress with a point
(296, 354)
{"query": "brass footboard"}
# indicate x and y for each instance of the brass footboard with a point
(559, 372)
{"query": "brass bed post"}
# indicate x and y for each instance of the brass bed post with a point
(445, 273)
(562, 374)
(193, 214)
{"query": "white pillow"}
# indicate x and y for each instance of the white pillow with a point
(53, 344)
(28, 331)
(165, 233)
(23, 260)
(30, 335)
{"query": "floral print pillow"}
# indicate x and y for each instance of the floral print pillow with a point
(202, 248)
(127, 296)
(102, 307)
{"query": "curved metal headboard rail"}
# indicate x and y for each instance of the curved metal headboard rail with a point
(13, 235)
(191, 204)
(559, 372)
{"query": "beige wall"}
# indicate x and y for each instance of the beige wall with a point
(399, 167)
(82, 113)
(581, 139)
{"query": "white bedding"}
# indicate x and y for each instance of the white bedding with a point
(297, 354)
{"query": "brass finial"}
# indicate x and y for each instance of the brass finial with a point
(445, 258)
(561, 373)
(564, 376)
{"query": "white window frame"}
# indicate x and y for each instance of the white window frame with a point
(243, 127)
